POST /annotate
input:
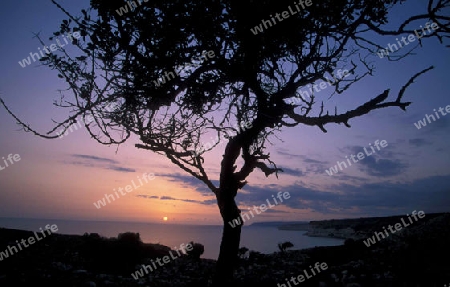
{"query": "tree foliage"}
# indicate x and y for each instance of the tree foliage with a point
(251, 79)
(197, 250)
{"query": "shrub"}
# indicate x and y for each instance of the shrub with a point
(115, 255)
(285, 245)
(350, 242)
(242, 253)
(129, 237)
(92, 236)
(197, 250)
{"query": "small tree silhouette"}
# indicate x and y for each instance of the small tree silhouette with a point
(129, 237)
(243, 253)
(197, 250)
(285, 245)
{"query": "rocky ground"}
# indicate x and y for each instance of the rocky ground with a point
(417, 256)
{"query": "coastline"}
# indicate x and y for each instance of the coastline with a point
(89, 260)
(349, 228)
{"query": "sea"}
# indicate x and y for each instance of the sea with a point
(259, 238)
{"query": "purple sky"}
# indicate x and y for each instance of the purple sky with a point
(62, 178)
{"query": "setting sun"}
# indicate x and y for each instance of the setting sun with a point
(165, 218)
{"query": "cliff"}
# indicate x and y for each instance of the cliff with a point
(354, 228)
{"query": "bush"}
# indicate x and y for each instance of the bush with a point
(350, 242)
(285, 245)
(253, 255)
(92, 236)
(129, 237)
(116, 255)
(197, 250)
(243, 253)
(260, 258)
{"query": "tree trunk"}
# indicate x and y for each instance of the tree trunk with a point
(231, 237)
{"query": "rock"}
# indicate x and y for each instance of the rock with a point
(61, 266)
(335, 278)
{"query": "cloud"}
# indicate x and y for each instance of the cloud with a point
(191, 182)
(300, 156)
(148, 196)
(381, 167)
(210, 202)
(349, 195)
(311, 166)
(431, 194)
(276, 211)
(293, 172)
(99, 162)
(380, 163)
(95, 158)
(418, 142)
(439, 126)
(122, 169)
(350, 178)
(285, 153)
(204, 202)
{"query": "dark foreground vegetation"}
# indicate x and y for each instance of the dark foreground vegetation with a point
(417, 256)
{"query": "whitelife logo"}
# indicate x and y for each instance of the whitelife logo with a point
(301, 278)
(228, 134)
(423, 122)
(263, 207)
(110, 108)
(124, 9)
(53, 47)
(285, 14)
(178, 69)
(411, 38)
(360, 156)
(338, 76)
(12, 159)
(102, 202)
(11, 250)
(165, 259)
(398, 227)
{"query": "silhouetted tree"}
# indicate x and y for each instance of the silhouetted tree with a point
(197, 250)
(243, 253)
(285, 245)
(130, 238)
(246, 92)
